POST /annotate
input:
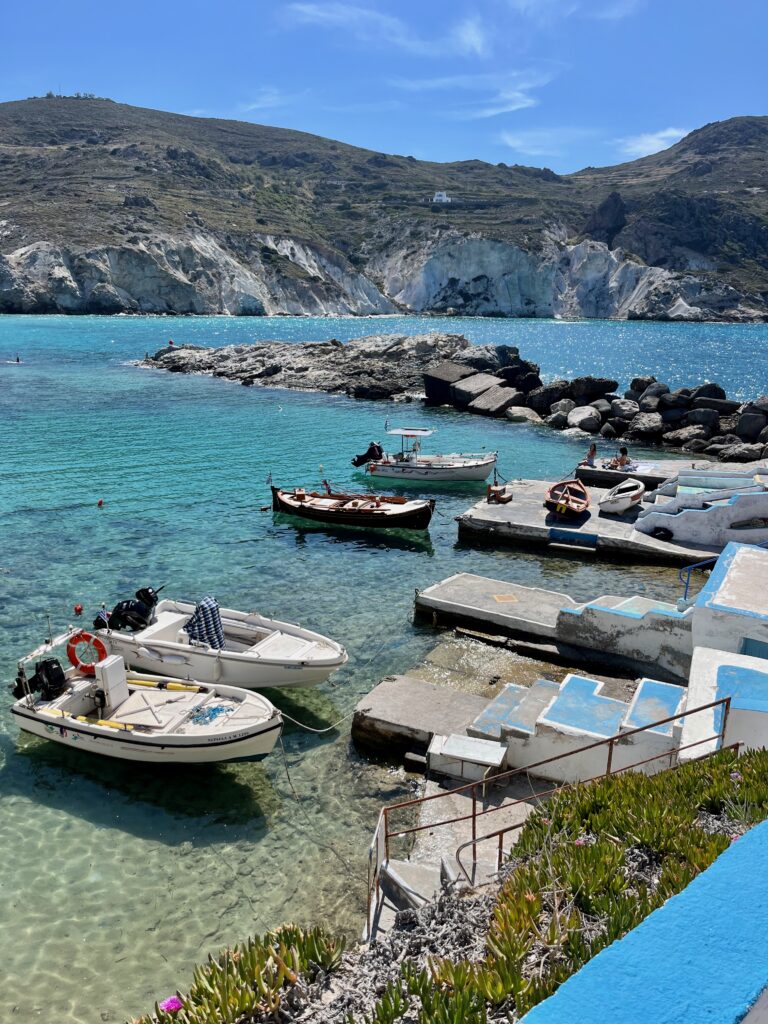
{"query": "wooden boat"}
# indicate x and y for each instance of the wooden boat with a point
(568, 498)
(134, 717)
(368, 510)
(622, 497)
(409, 464)
(208, 643)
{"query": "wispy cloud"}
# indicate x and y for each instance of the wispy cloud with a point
(545, 141)
(616, 10)
(503, 92)
(268, 97)
(650, 142)
(468, 38)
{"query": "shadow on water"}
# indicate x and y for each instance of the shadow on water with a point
(356, 536)
(107, 793)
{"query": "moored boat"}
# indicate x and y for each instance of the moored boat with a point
(208, 643)
(372, 511)
(622, 497)
(135, 717)
(410, 464)
(568, 498)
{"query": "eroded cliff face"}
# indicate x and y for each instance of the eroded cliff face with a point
(479, 276)
(437, 272)
(196, 274)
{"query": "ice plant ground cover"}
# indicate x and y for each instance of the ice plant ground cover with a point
(588, 867)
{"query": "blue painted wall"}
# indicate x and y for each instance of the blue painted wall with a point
(702, 958)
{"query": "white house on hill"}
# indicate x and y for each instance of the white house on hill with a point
(441, 197)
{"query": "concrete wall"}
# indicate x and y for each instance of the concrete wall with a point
(733, 605)
(658, 639)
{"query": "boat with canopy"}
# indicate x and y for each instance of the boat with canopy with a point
(411, 464)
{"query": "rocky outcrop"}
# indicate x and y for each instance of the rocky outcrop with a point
(380, 366)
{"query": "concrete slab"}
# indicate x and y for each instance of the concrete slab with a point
(525, 522)
(653, 472)
(534, 703)
(403, 714)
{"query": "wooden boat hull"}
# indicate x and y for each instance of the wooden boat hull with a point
(622, 497)
(383, 513)
(568, 499)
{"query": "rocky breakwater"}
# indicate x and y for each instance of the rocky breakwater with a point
(700, 419)
(378, 366)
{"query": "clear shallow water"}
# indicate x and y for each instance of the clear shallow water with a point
(115, 879)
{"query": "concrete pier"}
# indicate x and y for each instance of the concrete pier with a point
(525, 522)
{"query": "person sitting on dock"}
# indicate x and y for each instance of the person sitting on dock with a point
(622, 459)
(589, 459)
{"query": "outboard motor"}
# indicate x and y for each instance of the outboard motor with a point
(49, 680)
(132, 615)
(373, 454)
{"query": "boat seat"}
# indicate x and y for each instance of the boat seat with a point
(282, 645)
(165, 627)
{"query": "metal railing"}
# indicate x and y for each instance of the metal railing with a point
(379, 850)
(684, 574)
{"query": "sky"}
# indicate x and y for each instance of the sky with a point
(556, 83)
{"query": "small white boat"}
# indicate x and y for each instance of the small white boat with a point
(622, 497)
(137, 718)
(410, 464)
(207, 643)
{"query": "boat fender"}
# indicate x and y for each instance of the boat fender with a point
(184, 687)
(88, 668)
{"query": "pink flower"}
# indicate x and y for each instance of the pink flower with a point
(171, 1005)
(579, 842)
(737, 777)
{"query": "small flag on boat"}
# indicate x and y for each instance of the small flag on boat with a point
(103, 615)
(269, 478)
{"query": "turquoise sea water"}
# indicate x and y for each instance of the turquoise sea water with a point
(116, 879)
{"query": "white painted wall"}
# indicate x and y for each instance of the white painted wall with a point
(725, 630)
(711, 527)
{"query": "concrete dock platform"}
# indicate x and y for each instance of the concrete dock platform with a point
(525, 522)
(653, 472)
(402, 714)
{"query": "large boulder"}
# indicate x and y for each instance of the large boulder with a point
(619, 425)
(696, 445)
(603, 406)
(467, 390)
(639, 384)
(672, 400)
(722, 405)
(558, 420)
(655, 390)
(608, 432)
(763, 436)
(750, 425)
(439, 378)
(584, 389)
(705, 418)
(517, 370)
(521, 414)
(585, 417)
(725, 439)
(758, 405)
(494, 402)
(741, 453)
(646, 424)
(648, 403)
(624, 409)
(708, 390)
(673, 416)
(564, 405)
(542, 399)
(632, 396)
(680, 437)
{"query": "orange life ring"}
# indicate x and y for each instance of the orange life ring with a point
(372, 467)
(88, 668)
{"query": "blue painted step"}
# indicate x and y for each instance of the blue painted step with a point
(487, 725)
(580, 708)
(652, 702)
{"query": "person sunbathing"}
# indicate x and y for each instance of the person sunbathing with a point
(620, 460)
(589, 459)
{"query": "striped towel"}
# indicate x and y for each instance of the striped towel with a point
(205, 623)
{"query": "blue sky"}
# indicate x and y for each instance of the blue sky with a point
(557, 83)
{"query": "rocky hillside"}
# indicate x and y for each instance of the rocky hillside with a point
(109, 208)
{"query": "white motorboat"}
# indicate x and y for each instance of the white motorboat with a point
(622, 497)
(135, 717)
(211, 644)
(410, 464)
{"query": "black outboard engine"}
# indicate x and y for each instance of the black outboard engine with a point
(49, 680)
(132, 615)
(373, 454)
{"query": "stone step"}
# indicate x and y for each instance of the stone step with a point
(652, 702)
(409, 885)
(523, 720)
(579, 707)
(487, 725)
